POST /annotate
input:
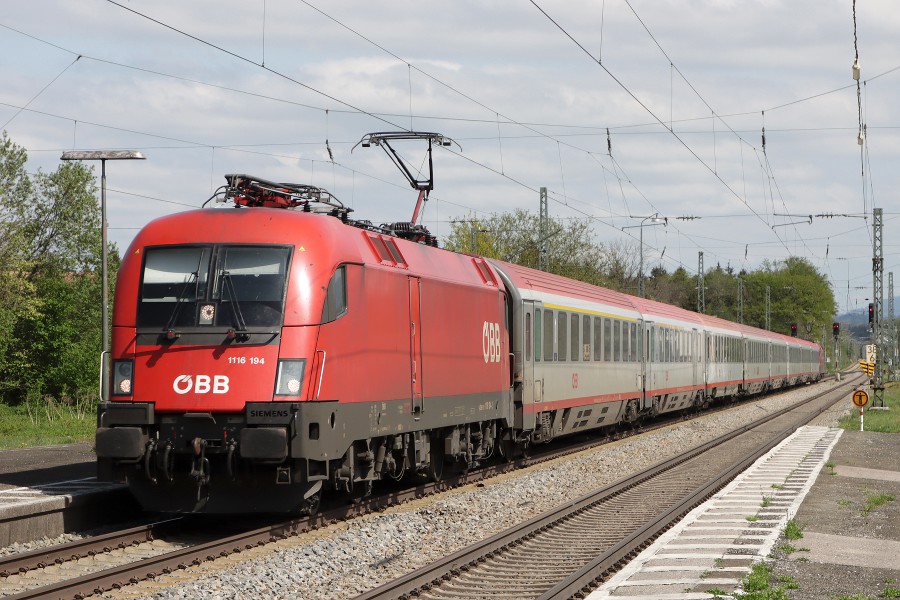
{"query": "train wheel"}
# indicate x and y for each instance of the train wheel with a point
(631, 412)
(510, 449)
(438, 457)
(359, 491)
(310, 503)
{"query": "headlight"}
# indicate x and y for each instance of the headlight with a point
(289, 381)
(123, 375)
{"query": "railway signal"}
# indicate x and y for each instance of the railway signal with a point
(793, 330)
(860, 399)
(836, 330)
(867, 367)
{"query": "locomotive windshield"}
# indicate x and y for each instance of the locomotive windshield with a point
(223, 286)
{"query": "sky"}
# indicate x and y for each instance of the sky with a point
(622, 109)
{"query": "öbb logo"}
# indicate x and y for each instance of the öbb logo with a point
(490, 342)
(202, 384)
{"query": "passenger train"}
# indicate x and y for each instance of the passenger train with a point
(271, 352)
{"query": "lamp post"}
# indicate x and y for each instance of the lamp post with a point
(103, 156)
(654, 219)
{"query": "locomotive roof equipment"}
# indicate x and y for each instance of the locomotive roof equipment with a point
(425, 185)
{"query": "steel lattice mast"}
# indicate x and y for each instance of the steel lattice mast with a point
(878, 327)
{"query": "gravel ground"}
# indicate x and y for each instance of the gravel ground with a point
(834, 506)
(36, 544)
(346, 559)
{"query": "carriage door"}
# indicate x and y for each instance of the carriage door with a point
(708, 358)
(647, 335)
(695, 354)
(531, 338)
(415, 346)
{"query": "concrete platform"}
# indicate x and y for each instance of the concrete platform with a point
(841, 487)
(46, 464)
(851, 541)
(714, 546)
(48, 491)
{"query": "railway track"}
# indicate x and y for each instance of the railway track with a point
(565, 553)
(100, 563)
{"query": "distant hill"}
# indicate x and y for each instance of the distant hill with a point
(856, 322)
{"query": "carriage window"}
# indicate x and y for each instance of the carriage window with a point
(548, 335)
(607, 340)
(617, 341)
(537, 335)
(598, 338)
(626, 342)
(561, 335)
(574, 342)
(638, 354)
(528, 336)
(586, 338)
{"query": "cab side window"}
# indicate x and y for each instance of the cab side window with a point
(336, 296)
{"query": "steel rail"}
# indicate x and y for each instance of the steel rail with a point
(149, 568)
(580, 583)
(97, 544)
(450, 566)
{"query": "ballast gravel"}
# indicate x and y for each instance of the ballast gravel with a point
(347, 559)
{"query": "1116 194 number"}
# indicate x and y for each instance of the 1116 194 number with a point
(243, 360)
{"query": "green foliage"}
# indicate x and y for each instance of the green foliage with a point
(793, 530)
(883, 421)
(758, 585)
(890, 593)
(515, 237)
(50, 292)
(42, 420)
(874, 500)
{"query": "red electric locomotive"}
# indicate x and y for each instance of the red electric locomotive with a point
(261, 353)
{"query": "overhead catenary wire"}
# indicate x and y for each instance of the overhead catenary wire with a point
(622, 182)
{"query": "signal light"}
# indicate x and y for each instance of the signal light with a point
(793, 330)
(871, 312)
(836, 330)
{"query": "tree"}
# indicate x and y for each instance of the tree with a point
(50, 258)
(515, 237)
(679, 288)
(799, 294)
(18, 298)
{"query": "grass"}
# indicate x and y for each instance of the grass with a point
(874, 500)
(890, 593)
(43, 421)
(787, 548)
(752, 518)
(766, 501)
(884, 421)
(758, 585)
(793, 530)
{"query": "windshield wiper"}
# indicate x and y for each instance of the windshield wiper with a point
(170, 333)
(240, 324)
